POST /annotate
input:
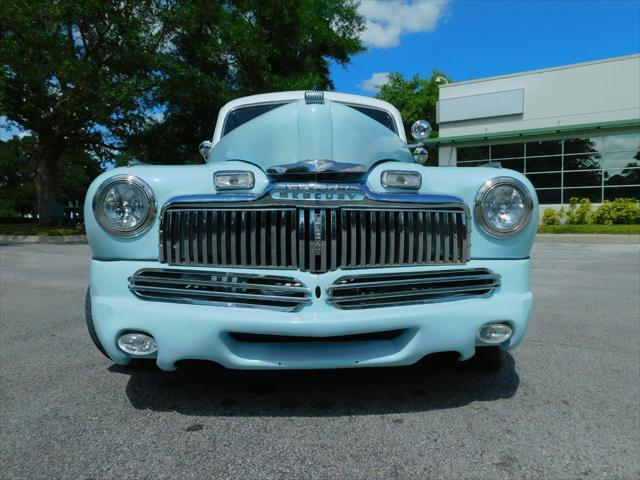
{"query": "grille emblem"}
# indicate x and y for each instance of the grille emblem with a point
(317, 234)
(317, 195)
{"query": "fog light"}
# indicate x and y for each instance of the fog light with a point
(137, 344)
(495, 333)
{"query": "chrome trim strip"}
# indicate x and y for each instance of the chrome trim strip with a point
(277, 293)
(387, 290)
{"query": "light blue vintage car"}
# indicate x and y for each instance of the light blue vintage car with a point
(312, 237)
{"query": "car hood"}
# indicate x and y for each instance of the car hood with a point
(299, 139)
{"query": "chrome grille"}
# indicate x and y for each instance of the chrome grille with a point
(314, 239)
(383, 290)
(220, 288)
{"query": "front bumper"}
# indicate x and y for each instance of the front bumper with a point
(201, 332)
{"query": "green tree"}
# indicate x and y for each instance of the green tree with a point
(17, 177)
(226, 50)
(416, 98)
(18, 194)
(76, 74)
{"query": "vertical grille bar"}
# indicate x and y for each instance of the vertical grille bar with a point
(392, 237)
(242, 228)
(430, 236)
(274, 238)
(324, 252)
(455, 236)
(420, 230)
(223, 238)
(181, 233)
(373, 235)
(292, 240)
(343, 235)
(204, 238)
(301, 243)
(362, 223)
(333, 233)
(383, 237)
(233, 240)
(353, 239)
(215, 253)
(263, 238)
(445, 236)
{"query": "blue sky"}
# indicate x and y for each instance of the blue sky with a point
(472, 38)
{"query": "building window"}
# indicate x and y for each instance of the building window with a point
(599, 168)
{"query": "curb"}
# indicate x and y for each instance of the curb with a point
(32, 239)
(587, 238)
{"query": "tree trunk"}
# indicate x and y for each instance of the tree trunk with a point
(49, 210)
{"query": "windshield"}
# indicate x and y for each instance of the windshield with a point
(241, 115)
(297, 132)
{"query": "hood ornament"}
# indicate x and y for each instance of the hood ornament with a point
(316, 166)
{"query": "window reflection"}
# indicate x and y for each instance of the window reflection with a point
(619, 143)
(593, 194)
(516, 164)
(543, 148)
(549, 196)
(600, 167)
(627, 176)
(542, 180)
(473, 153)
(583, 145)
(587, 178)
(582, 162)
(510, 150)
(544, 164)
(611, 193)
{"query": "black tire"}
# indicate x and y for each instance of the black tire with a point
(89, 319)
(488, 359)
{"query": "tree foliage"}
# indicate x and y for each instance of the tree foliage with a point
(416, 98)
(145, 78)
(226, 50)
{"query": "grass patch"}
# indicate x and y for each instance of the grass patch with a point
(595, 229)
(39, 230)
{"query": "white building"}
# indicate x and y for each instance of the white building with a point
(573, 130)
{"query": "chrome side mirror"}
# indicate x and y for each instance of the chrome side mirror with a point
(204, 149)
(420, 131)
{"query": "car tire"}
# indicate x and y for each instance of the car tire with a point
(488, 359)
(89, 319)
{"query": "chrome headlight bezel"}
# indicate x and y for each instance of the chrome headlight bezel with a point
(488, 187)
(135, 182)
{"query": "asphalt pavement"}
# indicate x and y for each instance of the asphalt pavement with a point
(565, 406)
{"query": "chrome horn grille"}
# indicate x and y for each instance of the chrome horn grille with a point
(220, 288)
(311, 238)
(391, 289)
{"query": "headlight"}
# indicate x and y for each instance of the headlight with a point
(233, 180)
(124, 205)
(400, 179)
(503, 206)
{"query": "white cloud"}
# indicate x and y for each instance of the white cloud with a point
(386, 21)
(374, 83)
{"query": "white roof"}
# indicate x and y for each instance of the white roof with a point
(278, 97)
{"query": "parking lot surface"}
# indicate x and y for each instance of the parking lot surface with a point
(566, 405)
